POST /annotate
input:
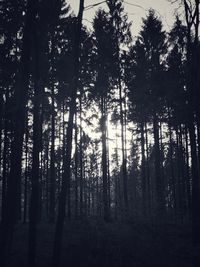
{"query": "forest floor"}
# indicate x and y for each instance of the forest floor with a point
(97, 244)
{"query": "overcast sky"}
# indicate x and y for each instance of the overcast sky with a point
(165, 10)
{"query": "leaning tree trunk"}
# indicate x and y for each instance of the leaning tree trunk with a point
(67, 156)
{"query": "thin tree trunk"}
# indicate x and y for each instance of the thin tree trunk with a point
(81, 161)
(1, 124)
(52, 160)
(124, 167)
(108, 168)
(172, 182)
(158, 178)
(104, 160)
(76, 167)
(149, 193)
(35, 173)
(143, 171)
(26, 173)
(178, 167)
(5, 163)
(195, 184)
(188, 181)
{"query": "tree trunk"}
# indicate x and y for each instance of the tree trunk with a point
(192, 19)
(195, 184)
(158, 178)
(5, 163)
(81, 161)
(149, 193)
(35, 173)
(26, 174)
(108, 168)
(76, 167)
(124, 167)
(104, 160)
(52, 160)
(143, 171)
(188, 178)
(172, 178)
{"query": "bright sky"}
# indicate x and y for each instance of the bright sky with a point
(136, 9)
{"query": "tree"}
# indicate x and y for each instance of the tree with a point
(103, 65)
(192, 22)
(20, 96)
(121, 36)
(147, 79)
(67, 158)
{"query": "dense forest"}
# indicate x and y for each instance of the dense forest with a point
(99, 136)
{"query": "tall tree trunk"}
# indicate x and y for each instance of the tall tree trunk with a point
(26, 175)
(1, 142)
(182, 172)
(195, 184)
(5, 161)
(143, 171)
(35, 173)
(149, 193)
(188, 181)
(158, 178)
(192, 19)
(172, 175)
(81, 160)
(178, 167)
(108, 167)
(124, 167)
(52, 160)
(104, 160)
(76, 167)
(47, 179)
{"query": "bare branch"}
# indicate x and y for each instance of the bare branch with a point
(135, 5)
(92, 6)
